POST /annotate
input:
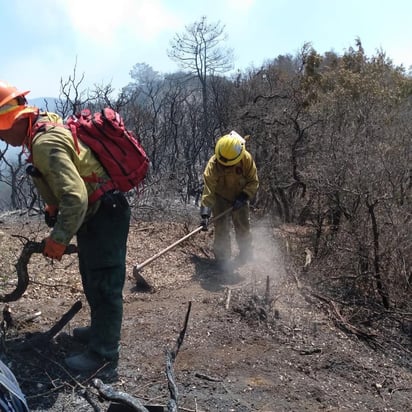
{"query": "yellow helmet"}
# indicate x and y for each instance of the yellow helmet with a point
(230, 149)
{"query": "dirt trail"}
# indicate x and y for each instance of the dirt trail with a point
(253, 342)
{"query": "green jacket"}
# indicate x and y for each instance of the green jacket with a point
(62, 166)
(228, 182)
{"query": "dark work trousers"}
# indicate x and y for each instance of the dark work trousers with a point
(102, 242)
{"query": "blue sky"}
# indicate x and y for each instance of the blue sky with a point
(43, 39)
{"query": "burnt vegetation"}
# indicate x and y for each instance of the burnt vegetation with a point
(331, 136)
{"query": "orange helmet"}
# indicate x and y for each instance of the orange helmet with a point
(8, 92)
(13, 105)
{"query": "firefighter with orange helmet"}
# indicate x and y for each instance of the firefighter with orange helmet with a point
(101, 228)
(230, 180)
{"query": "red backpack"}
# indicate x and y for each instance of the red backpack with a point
(117, 148)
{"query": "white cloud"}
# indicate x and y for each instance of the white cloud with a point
(154, 19)
(240, 5)
(103, 38)
(111, 22)
(95, 21)
(107, 38)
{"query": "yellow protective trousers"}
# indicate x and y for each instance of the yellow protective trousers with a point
(241, 223)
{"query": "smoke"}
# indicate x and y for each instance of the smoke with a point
(267, 258)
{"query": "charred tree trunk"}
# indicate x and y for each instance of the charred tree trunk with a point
(376, 255)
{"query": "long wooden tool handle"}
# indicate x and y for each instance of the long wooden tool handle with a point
(162, 252)
(151, 259)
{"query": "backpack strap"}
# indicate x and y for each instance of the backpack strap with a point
(108, 185)
(40, 127)
(105, 186)
(98, 193)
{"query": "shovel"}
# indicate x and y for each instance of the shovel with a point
(141, 282)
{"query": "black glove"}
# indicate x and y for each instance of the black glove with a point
(50, 215)
(240, 201)
(205, 213)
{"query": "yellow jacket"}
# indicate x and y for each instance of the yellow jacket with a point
(228, 182)
(62, 167)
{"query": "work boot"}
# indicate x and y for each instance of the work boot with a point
(82, 334)
(244, 257)
(241, 259)
(222, 265)
(89, 361)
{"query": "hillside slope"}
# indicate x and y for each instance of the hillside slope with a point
(254, 340)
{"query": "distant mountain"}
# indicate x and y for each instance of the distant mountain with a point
(44, 103)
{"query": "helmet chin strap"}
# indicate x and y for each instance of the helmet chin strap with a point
(29, 132)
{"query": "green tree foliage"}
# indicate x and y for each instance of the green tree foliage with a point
(333, 148)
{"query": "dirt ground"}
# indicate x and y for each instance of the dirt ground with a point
(253, 342)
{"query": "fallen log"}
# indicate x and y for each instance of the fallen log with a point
(23, 278)
(172, 405)
(109, 394)
(42, 338)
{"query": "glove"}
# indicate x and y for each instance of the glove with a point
(204, 223)
(53, 249)
(240, 201)
(205, 213)
(50, 215)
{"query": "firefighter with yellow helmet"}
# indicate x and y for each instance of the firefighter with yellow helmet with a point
(230, 180)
